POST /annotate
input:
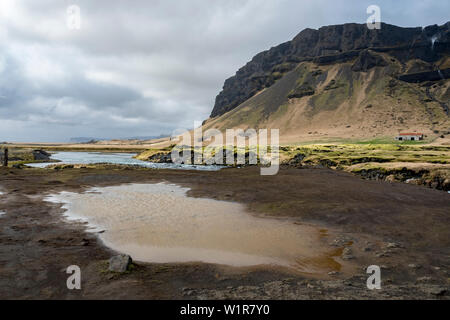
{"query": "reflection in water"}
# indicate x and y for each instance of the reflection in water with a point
(159, 223)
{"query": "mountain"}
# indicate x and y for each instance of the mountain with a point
(343, 81)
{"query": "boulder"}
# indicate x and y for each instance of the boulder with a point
(41, 155)
(161, 157)
(347, 254)
(120, 263)
(434, 290)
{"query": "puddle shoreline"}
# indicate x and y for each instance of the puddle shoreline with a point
(159, 223)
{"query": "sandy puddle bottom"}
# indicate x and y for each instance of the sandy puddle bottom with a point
(159, 223)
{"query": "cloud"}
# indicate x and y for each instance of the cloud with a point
(146, 67)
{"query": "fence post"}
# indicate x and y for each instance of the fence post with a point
(5, 157)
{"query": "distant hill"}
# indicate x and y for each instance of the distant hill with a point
(147, 137)
(343, 81)
(82, 139)
(95, 140)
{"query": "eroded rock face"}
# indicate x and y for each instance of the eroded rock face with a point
(368, 60)
(328, 45)
(426, 76)
(302, 91)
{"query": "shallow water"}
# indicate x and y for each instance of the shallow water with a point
(159, 223)
(115, 158)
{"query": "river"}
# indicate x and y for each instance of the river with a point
(116, 158)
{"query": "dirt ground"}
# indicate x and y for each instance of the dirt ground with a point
(402, 228)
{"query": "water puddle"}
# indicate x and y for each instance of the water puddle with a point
(159, 223)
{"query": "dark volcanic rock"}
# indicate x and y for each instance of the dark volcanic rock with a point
(332, 85)
(301, 91)
(335, 58)
(161, 157)
(426, 76)
(368, 60)
(329, 45)
(41, 155)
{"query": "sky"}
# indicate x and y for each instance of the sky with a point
(148, 67)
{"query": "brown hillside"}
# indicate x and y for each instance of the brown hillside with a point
(365, 94)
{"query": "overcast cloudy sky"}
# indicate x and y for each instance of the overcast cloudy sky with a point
(146, 67)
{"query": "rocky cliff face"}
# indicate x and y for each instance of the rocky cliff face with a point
(336, 44)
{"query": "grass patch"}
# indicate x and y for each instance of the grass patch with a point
(344, 155)
(391, 141)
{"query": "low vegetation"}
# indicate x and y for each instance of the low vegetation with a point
(410, 162)
(405, 162)
(342, 155)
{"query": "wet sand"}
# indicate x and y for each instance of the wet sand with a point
(403, 228)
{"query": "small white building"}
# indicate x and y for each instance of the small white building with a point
(411, 136)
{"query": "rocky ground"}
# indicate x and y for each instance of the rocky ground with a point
(402, 228)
